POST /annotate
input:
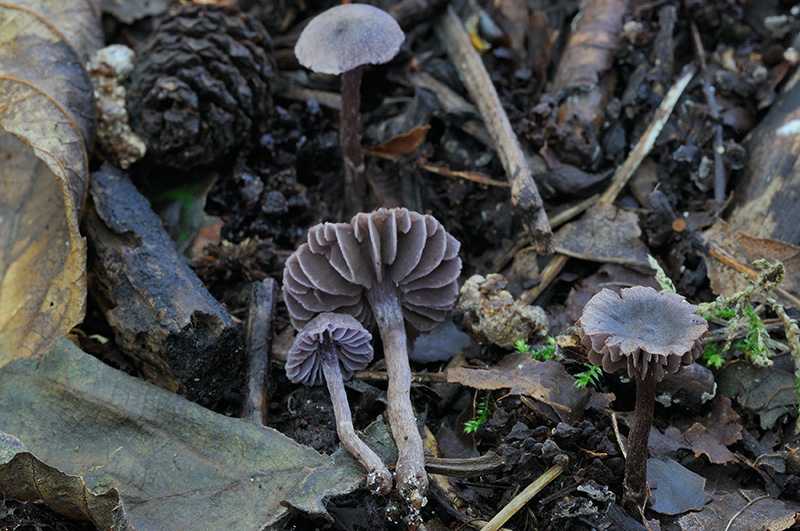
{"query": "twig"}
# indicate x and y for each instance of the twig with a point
(522, 498)
(524, 195)
(258, 336)
(718, 148)
(624, 172)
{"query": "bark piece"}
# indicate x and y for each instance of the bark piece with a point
(767, 202)
(162, 315)
(258, 339)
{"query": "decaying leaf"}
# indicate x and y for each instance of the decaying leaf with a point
(742, 510)
(768, 392)
(676, 489)
(604, 234)
(746, 249)
(547, 382)
(46, 129)
(714, 433)
(24, 477)
(176, 465)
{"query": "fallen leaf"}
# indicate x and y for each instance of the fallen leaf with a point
(24, 477)
(604, 234)
(742, 510)
(175, 464)
(768, 392)
(547, 382)
(46, 130)
(402, 145)
(745, 249)
(676, 489)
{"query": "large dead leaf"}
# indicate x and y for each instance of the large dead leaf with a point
(745, 249)
(735, 509)
(545, 381)
(604, 234)
(24, 477)
(176, 465)
(46, 125)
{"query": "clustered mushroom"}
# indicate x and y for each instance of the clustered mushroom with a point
(649, 333)
(342, 40)
(332, 347)
(393, 268)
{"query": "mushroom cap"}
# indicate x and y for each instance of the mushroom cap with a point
(347, 36)
(411, 251)
(641, 329)
(353, 344)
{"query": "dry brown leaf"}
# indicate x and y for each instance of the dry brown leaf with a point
(25, 477)
(676, 489)
(402, 145)
(604, 234)
(746, 249)
(46, 121)
(545, 381)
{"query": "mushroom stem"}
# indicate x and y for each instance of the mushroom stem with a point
(355, 185)
(412, 480)
(379, 478)
(634, 487)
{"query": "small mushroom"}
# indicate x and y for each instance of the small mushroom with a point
(332, 347)
(340, 41)
(648, 333)
(393, 268)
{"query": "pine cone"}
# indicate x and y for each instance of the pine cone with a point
(202, 79)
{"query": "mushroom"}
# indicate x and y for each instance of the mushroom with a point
(340, 41)
(332, 347)
(394, 268)
(648, 333)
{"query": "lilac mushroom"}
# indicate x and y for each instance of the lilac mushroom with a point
(648, 333)
(341, 40)
(332, 347)
(394, 268)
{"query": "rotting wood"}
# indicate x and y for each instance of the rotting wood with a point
(257, 341)
(525, 196)
(584, 83)
(767, 202)
(162, 315)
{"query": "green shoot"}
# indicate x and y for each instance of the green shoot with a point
(755, 343)
(713, 357)
(725, 313)
(591, 376)
(521, 346)
(541, 353)
(545, 352)
(481, 415)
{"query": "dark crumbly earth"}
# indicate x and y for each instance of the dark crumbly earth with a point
(289, 178)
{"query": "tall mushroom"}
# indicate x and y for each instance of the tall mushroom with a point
(332, 347)
(395, 268)
(342, 40)
(648, 333)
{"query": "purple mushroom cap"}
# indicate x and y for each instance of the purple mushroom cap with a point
(641, 329)
(347, 36)
(353, 342)
(341, 260)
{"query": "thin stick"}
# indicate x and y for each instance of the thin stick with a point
(624, 172)
(718, 148)
(524, 195)
(522, 498)
(258, 337)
